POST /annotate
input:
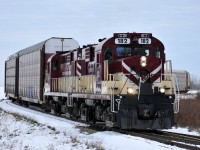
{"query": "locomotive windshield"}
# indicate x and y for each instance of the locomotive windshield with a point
(141, 51)
(129, 51)
(123, 51)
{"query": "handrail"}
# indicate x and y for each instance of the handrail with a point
(175, 87)
(139, 88)
(59, 84)
(177, 97)
(112, 90)
(110, 76)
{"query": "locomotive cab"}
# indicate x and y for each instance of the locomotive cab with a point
(52, 73)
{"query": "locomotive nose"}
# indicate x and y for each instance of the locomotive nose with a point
(146, 111)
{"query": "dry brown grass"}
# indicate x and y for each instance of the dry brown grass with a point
(189, 114)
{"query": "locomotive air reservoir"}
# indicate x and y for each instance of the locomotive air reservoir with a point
(123, 81)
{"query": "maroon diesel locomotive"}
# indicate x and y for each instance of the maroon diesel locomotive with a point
(123, 81)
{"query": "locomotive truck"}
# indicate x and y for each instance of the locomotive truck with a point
(123, 81)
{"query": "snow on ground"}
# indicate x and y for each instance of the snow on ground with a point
(193, 92)
(47, 132)
(2, 95)
(183, 131)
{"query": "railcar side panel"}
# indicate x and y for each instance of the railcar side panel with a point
(30, 76)
(183, 79)
(11, 78)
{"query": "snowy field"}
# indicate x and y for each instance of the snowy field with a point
(41, 131)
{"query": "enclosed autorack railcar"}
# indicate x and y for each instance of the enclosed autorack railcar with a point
(25, 70)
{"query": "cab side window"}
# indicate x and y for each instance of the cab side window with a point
(108, 55)
(55, 65)
(157, 52)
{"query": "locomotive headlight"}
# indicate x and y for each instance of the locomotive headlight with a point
(143, 64)
(130, 91)
(162, 90)
(143, 61)
(143, 58)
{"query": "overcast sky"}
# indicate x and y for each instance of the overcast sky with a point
(175, 22)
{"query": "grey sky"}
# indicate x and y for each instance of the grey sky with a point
(175, 22)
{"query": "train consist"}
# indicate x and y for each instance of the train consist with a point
(123, 81)
(183, 79)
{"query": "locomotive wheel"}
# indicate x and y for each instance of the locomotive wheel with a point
(13, 100)
(93, 121)
(46, 107)
(58, 109)
(20, 102)
(55, 108)
(26, 103)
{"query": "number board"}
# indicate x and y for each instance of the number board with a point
(144, 41)
(122, 41)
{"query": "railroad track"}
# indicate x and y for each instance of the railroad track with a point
(174, 139)
(184, 141)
